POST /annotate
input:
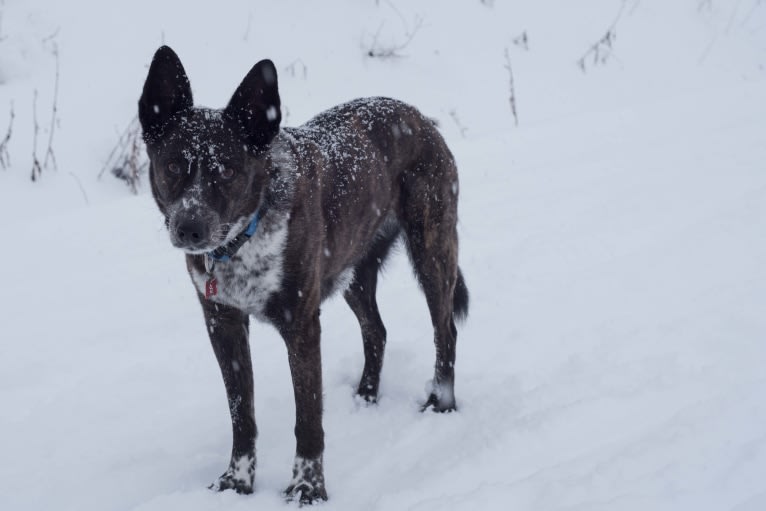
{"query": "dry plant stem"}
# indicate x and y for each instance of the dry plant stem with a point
(297, 67)
(127, 160)
(50, 156)
(136, 150)
(111, 160)
(393, 51)
(600, 51)
(512, 96)
(522, 41)
(246, 35)
(2, 4)
(36, 168)
(456, 119)
(82, 189)
(746, 18)
(5, 157)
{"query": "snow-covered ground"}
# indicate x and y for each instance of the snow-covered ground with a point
(614, 243)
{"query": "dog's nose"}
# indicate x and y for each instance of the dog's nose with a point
(192, 233)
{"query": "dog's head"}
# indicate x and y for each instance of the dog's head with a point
(208, 168)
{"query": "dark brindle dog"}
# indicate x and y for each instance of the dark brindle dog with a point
(272, 222)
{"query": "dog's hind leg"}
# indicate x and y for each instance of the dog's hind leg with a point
(429, 210)
(360, 296)
(228, 330)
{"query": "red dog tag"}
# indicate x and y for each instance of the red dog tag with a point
(211, 287)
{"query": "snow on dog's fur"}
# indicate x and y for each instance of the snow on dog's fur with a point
(326, 201)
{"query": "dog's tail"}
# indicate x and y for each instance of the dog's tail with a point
(460, 298)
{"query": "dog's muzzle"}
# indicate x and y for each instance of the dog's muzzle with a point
(192, 231)
(193, 234)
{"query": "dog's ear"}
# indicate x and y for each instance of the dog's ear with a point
(166, 92)
(255, 104)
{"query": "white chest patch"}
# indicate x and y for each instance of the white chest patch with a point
(344, 280)
(254, 273)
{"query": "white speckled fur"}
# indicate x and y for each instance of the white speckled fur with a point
(444, 393)
(343, 280)
(254, 273)
(241, 471)
(307, 472)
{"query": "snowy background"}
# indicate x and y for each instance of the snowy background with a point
(613, 242)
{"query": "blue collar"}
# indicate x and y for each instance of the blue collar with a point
(225, 252)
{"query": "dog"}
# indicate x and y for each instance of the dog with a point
(273, 221)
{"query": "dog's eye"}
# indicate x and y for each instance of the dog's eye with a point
(226, 172)
(174, 168)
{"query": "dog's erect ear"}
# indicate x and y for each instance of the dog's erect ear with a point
(255, 104)
(166, 92)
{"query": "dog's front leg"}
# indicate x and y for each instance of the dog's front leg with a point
(228, 330)
(301, 334)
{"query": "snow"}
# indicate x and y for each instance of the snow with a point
(613, 244)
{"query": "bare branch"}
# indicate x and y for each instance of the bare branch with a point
(456, 119)
(246, 35)
(50, 156)
(522, 41)
(36, 168)
(297, 67)
(51, 36)
(749, 14)
(600, 51)
(2, 4)
(49, 159)
(398, 13)
(79, 184)
(5, 157)
(512, 96)
(378, 50)
(127, 160)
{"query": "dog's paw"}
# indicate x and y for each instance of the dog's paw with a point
(433, 403)
(227, 482)
(441, 398)
(238, 477)
(305, 494)
(367, 395)
(307, 486)
(368, 389)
